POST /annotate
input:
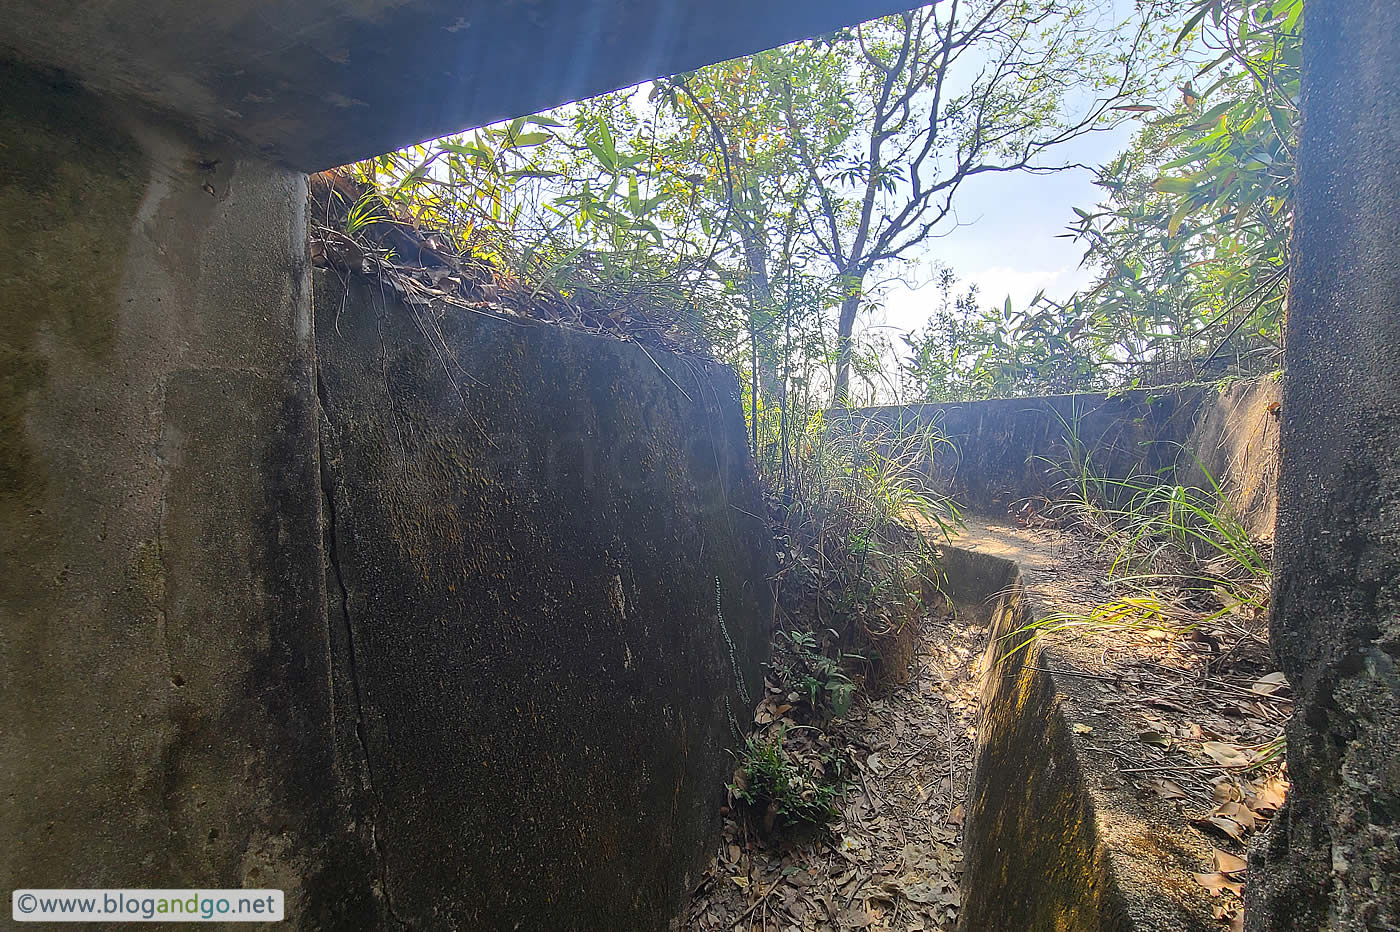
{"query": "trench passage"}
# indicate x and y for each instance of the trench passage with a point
(894, 859)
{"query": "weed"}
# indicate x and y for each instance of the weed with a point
(1181, 554)
(784, 791)
(818, 678)
(857, 531)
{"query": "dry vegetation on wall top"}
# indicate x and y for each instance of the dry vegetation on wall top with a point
(357, 231)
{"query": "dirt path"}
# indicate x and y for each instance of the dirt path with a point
(893, 862)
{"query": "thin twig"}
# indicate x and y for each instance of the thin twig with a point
(761, 900)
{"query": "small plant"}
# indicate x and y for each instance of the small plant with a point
(858, 526)
(817, 677)
(776, 787)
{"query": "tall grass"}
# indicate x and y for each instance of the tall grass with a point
(1181, 555)
(860, 518)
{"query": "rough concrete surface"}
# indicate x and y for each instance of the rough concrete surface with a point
(1334, 855)
(1235, 441)
(318, 83)
(164, 682)
(1005, 450)
(1054, 838)
(526, 526)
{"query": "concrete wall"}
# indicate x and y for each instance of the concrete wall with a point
(528, 526)
(1332, 859)
(165, 697)
(1002, 451)
(1033, 855)
(1234, 443)
(443, 651)
(317, 83)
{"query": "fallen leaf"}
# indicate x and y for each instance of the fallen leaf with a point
(1167, 789)
(856, 917)
(1225, 792)
(1217, 883)
(1269, 795)
(1227, 863)
(1223, 824)
(770, 710)
(1270, 684)
(1155, 738)
(922, 892)
(1226, 755)
(1240, 813)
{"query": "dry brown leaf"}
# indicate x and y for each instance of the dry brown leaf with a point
(1167, 789)
(1225, 792)
(1217, 883)
(770, 710)
(1227, 863)
(1221, 823)
(1269, 795)
(1270, 684)
(1226, 755)
(1239, 813)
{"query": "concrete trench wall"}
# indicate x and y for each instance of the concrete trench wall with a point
(1002, 449)
(1003, 452)
(530, 531)
(164, 700)
(1033, 858)
(1055, 839)
(435, 646)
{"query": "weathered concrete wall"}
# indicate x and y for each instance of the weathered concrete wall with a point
(165, 708)
(1235, 440)
(1033, 858)
(1003, 450)
(465, 670)
(1055, 838)
(527, 529)
(318, 83)
(1333, 857)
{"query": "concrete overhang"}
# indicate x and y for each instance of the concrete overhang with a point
(317, 83)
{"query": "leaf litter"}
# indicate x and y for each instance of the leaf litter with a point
(892, 861)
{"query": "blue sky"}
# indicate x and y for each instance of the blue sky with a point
(1006, 237)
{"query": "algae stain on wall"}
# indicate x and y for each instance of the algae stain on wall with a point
(67, 201)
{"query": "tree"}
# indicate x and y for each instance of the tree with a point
(938, 96)
(1192, 240)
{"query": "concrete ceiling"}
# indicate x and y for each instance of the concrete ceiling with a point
(317, 83)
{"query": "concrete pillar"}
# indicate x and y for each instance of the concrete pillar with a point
(165, 692)
(1333, 855)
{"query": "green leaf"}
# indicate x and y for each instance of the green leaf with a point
(1181, 213)
(1171, 185)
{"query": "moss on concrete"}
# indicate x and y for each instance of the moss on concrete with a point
(1004, 450)
(67, 201)
(529, 523)
(1053, 842)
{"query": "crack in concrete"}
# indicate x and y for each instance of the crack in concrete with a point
(333, 558)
